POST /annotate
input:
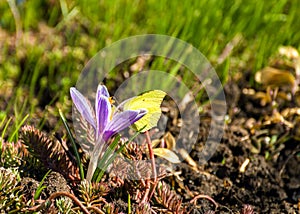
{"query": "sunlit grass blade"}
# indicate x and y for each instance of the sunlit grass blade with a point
(73, 144)
(3, 117)
(129, 204)
(17, 129)
(5, 127)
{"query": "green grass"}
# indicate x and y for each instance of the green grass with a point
(68, 33)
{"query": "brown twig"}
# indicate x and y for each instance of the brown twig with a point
(151, 154)
(96, 209)
(287, 160)
(146, 194)
(153, 189)
(58, 194)
(194, 200)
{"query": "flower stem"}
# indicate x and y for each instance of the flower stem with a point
(94, 156)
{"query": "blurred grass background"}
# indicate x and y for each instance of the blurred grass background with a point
(45, 44)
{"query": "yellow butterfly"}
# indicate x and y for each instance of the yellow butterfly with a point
(150, 101)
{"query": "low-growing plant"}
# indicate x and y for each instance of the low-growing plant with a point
(50, 152)
(10, 195)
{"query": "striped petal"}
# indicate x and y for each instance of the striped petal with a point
(83, 106)
(122, 120)
(101, 90)
(103, 112)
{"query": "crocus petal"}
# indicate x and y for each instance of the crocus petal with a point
(101, 90)
(82, 105)
(102, 109)
(121, 121)
(103, 112)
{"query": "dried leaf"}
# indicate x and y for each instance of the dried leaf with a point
(273, 77)
(166, 154)
(167, 140)
(289, 52)
(155, 143)
(264, 98)
(170, 141)
(185, 155)
(290, 112)
(276, 117)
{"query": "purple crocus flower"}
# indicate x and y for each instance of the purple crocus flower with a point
(105, 122)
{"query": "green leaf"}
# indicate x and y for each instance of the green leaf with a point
(73, 144)
(41, 187)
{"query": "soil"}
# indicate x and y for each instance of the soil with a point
(269, 181)
(266, 185)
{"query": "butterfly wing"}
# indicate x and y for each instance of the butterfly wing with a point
(150, 101)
